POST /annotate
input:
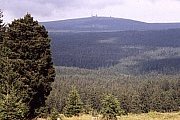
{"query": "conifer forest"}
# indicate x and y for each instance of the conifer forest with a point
(57, 72)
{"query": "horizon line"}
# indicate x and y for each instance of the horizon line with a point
(96, 16)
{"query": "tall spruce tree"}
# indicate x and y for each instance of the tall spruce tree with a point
(74, 105)
(110, 107)
(30, 50)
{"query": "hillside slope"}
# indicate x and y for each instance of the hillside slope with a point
(123, 51)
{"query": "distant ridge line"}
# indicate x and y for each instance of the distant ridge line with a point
(91, 24)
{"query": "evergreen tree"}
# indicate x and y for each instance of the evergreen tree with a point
(12, 106)
(1, 41)
(30, 52)
(125, 101)
(136, 104)
(87, 107)
(110, 107)
(156, 100)
(144, 96)
(2, 28)
(73, 106)
(168, 102)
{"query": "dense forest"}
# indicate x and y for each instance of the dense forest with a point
(107, 73)
(140, 68)
(137, 94)
(146, 51)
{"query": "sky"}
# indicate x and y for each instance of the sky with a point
(152, 11)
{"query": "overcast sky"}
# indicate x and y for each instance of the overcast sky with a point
(49, 10)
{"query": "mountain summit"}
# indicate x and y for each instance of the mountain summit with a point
(106, 24)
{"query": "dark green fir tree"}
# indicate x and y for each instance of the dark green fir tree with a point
(31, 55)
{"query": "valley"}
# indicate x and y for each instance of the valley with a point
(90, 60)
(139, 67)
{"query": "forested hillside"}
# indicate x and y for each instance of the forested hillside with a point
(125, 51)
(93, 68)
(140, 68)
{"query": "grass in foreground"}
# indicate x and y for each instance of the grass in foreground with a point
(144, 116)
